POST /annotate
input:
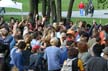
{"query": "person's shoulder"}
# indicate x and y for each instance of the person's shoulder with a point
(33, 55)
(79, 61)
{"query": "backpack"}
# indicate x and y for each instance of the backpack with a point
(70, 65)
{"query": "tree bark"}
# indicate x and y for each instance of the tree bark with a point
(58, 10)
(34, 6)
(31, 6)
(70, 10)
(53, 10)
(48, 10)
(44, 2)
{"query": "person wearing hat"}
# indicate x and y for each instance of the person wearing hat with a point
(70, 35)
(105, 53)
(36, 59)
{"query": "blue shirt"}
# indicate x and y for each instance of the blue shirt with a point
(64, 55)
(12, 53)
(52, 54)
(12, 44)
(19, 61)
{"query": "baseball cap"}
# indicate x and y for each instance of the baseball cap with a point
(35, 47)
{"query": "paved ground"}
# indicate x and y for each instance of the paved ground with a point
(97, 14)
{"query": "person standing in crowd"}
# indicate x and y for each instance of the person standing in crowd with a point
(81, 7)
(4, 51)
(73, 63)
(105, 53)
(5, 40)
(37, 62)
(52, 55)
(83, 51)
(96, 62)
(18, 57)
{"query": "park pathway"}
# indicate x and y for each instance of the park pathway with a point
(97, 14)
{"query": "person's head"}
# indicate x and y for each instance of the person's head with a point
(54, 41)
(72, 52)
(27, 38)
(37, 35)
(98, 40)
(21, 45)
(4, 31)
(12, 20)
(82, 47)
(35, 48)
(97, 50)
(17, 37)
(63, 35)
(69, 43)
(59, 43)
(55, 25)
(40, 28)
(71, 23)
(84, 36)
(71, 34)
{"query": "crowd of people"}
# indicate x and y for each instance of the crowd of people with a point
(36, 45)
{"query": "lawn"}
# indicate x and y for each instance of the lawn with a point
(65, 4)
(88, 20)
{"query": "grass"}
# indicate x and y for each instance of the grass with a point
(88, 20)
(65, 4)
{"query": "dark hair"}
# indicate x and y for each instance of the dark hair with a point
(59, 43)
(36, 34)
(69, 43)
(82, 46)
(97, 49)
(98, 39)
(72, 52)
(21, 45)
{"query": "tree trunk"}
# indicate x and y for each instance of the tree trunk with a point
(31, 6)
(34, 6)
(48, 10)
(44, 2)
(58, 10)
(53, 10)
(70, 10)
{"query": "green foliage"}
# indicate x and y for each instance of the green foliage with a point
(101, 1)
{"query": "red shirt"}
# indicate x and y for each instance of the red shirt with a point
(81, 6)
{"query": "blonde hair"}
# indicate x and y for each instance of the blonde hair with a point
(54, 41)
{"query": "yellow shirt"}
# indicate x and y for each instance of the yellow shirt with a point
(80, 65)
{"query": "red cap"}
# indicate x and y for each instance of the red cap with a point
(35, 48)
